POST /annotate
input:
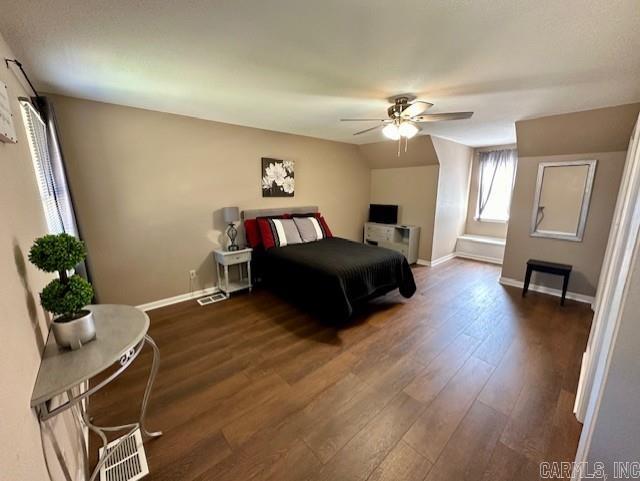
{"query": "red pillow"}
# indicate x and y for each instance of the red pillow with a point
(252, 233)
(266, 232)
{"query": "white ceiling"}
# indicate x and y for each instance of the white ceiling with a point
(298, 66)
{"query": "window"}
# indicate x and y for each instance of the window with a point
(497, 171)
(49, 192)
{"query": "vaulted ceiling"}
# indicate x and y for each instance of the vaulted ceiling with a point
(298, 66)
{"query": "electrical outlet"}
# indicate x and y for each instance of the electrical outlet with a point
(192, 274)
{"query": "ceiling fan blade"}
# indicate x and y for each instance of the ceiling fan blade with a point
(444, 116)
(363, 120)
(416, 108)
(368, 130)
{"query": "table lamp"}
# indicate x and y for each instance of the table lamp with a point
(231, 215)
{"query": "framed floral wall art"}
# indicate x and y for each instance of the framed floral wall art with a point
(277, 178)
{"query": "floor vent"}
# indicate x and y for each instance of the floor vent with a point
(128, 462)
(217, 297)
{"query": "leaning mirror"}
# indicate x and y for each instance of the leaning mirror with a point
(561, 204)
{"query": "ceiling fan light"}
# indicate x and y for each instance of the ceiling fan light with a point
(408, 130)
(391, 131)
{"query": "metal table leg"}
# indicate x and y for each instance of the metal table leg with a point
(101, 431)
(155, 365)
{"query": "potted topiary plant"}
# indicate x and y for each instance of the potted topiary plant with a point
(66, 296)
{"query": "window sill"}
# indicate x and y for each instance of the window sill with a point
(491, 221)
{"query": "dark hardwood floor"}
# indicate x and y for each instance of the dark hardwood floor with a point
(465, 381)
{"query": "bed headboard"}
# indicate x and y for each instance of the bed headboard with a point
(253, 213)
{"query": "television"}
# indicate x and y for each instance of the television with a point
(383, 214)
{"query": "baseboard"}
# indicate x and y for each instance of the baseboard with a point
(175, 299)
(443, 259)
(507, 281)
(440, 260)
(476, 257)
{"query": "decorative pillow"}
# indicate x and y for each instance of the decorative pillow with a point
(252, 233)
(311, 228)
(278, 232)
(323, 223)
(252, 230)
(325, 227)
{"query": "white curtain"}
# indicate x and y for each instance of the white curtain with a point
(497, 172)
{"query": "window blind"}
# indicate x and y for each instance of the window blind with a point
(49, 194)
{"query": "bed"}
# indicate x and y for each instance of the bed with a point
(331, 276)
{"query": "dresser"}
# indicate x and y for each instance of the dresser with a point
(398, 237)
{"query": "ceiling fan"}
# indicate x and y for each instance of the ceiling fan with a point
(405, 115)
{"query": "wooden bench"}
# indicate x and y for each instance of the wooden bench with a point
(563, 270)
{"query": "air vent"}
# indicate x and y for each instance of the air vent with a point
(217, 297)
(128, 462)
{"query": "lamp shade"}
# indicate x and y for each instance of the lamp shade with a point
(390, 131)
(408, 130)
(231, 214)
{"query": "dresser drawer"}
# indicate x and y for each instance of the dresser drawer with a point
(230, 258)
(379, 232)
(395, 246)
(379, 237)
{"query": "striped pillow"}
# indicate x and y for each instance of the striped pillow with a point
(278, 232)
(311, 228)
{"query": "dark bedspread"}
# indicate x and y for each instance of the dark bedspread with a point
(331, 275)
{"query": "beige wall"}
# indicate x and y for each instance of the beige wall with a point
(23, 322)
(384, 155)
(473, 226)
(548, 139)
(430, 183)
(452, 199)
(586, 256)
(148, 188)
(414, 190)
(600, 130)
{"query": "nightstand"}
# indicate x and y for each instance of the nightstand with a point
(240, 258)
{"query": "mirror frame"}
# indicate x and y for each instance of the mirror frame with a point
(586, 199)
